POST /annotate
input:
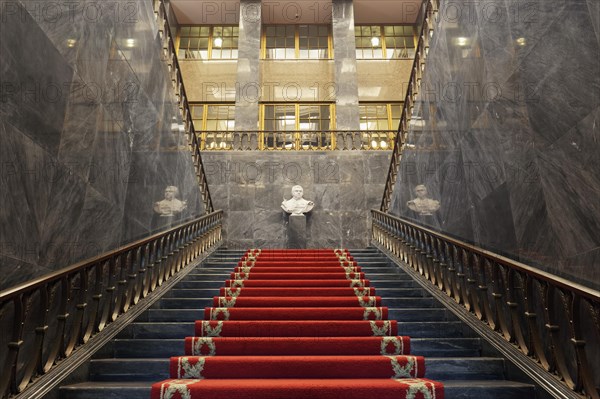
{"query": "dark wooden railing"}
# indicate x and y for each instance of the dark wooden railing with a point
(170, 56)
(552, 320)
(430, 16)
(45, 320)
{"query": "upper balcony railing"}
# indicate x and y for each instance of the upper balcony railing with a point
(170, 56)
(299, 140)
(430, 15)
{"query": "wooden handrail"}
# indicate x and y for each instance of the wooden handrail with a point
(554, 321)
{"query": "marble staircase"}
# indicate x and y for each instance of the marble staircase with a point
(453, 352)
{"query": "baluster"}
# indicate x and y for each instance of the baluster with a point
(462, 278)
(109, 294)
(33, 315)
(8, 377)
(55, 342)
(531, 315)
(80, 305)
(584, 369)
(555, 332)
(499, 283)
(95, 295)
(484, 292)
(513, 305)
(474, 284)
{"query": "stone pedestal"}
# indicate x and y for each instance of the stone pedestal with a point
(297, 231)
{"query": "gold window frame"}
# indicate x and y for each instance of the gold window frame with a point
(296, 135)
(211, 37)
(225, 135)
(383, 41)
(263, 43)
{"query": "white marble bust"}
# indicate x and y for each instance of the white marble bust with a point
(297, 205)
(422, 205)
(170, 206)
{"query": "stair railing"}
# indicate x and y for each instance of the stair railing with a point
(554, 321)
(45, 321)
(430, 15)
(170, 56)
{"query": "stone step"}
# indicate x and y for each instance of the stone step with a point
(215, 284)
(156, 369)
(190, 315)
(201, 303)
(156, 347)
(384, 293)
(454, 389)
(434, 329)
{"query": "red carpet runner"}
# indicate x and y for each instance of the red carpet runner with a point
(297, 324)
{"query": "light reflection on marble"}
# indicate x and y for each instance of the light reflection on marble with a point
(514, 157)
(81, 168)
(346, 98)
(248, 71)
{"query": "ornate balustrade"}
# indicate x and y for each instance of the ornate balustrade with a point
(170, 56)
(44, 321)
(550, 319)
(430, 17)
(327, 140)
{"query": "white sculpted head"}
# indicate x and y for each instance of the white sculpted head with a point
(170, 206)
(422, 205)
(297, 192)
(297, 205)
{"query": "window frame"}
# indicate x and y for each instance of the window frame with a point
(382, 38)
(297, 49)
(211, 37)
(298, 139)
(224, 135)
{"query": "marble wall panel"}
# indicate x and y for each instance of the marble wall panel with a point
(248, 71)
(251, 187)
(346, 99)
(34, 96)
(513, 160)
(81, 170)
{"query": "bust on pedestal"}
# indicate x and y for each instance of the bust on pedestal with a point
(424, 207)
(297, 207)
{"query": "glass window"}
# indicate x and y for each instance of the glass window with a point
(214, 122)
(297, 126)
(379, 123)
(286, 42)
(208, 42)
(390, 41)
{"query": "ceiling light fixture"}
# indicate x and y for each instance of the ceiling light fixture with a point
(218, 42)
(375, 41)
(462, 41)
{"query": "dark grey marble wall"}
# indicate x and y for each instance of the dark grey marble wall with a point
(508, 139)
(251, 186)
(89, 133)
